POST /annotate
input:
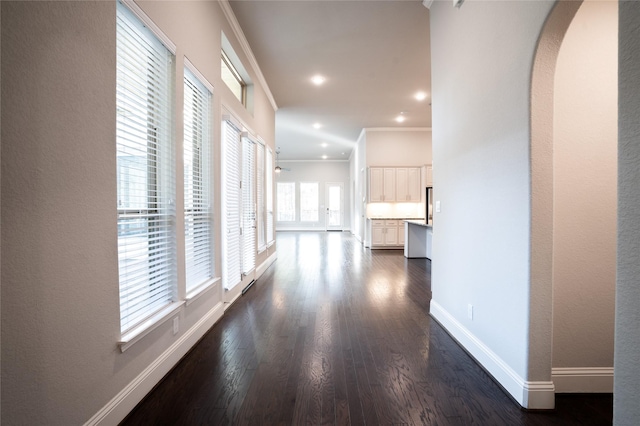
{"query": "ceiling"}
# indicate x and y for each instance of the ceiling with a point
(374, 55)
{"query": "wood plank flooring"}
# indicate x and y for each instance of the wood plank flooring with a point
(334, 334)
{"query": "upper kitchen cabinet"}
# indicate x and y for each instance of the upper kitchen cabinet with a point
(408, 186)
(376, 185)
(429, 175)
(394, 184)
(382, 185)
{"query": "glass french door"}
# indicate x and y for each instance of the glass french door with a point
(334, 195)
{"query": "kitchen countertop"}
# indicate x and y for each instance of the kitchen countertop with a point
(420, 222)
(395, 218)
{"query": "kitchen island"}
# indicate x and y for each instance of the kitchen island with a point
(417, 239)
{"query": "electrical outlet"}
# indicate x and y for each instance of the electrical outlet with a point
(470, 311)
(176, 325)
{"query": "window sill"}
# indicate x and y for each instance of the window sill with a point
(194, 294)
(131, 337)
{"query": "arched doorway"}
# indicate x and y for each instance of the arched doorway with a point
(572, 314)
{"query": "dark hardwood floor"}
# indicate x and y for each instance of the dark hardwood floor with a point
(333, 334)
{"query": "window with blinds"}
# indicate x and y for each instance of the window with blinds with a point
(262, 244)
(269, 188)
(145, 172)
(248, 206)
(231, 199)
(197, 182)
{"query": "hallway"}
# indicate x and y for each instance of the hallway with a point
(336, 334)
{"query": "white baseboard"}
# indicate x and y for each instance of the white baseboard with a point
(126, 400)
(532, 395)
(265, 265)
(583, 380)
(231, 295)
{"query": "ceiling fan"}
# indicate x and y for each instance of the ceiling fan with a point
(278, 168)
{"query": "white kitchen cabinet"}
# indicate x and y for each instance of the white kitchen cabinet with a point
(387, 233)
(394, 184)
(389, 185)
(376, 185)
(382, 184)
(391, 233)
(377, 233)
(401, 233)
(430, 175)
(408, 187)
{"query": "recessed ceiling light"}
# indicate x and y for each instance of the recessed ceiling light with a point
(318, 80)
(317, 125)
(400, 118)
(421, 96)
(324, 157)
(324, 144)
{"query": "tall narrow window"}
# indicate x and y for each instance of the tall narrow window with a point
(145, 172)
(248, 206)
(231, 207)
(262, 243)
(269, 188)
(286, 201)
(309, 201)
(197, 182)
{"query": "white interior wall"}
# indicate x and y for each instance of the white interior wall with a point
(482, 57)
(322, 172)
(585, 196)
(626, 410)
(60, 316)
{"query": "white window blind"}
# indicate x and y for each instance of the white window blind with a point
(260, 197)
(269, 190)
(248, 206)
(145, 172)
(231, 256)
(197, 182)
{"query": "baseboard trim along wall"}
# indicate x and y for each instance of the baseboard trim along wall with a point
(531, 395)
(126, 400)
(264, 265)
(583, 380)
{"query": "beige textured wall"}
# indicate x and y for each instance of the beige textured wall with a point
(585, 193)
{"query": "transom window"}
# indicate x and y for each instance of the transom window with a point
(233, 80)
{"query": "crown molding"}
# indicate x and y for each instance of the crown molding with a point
(246, 48)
